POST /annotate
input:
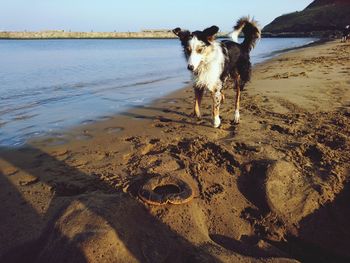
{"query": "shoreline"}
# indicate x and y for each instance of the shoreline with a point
(262, 190)
(60, 132)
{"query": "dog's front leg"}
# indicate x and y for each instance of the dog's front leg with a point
(198, 94)
(217, 97)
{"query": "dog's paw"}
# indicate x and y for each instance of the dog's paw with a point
(236, 117)
(216, 122)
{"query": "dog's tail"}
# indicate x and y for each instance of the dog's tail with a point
(251, 32)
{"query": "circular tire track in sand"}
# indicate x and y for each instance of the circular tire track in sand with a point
(163, 190)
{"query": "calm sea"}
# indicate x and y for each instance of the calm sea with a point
(50, 85)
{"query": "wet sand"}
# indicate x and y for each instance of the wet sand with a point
(272, 189)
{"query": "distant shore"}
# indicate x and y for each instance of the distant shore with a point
(57, 34)
(146, 34)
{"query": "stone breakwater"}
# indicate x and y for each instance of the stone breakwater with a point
(88, 35)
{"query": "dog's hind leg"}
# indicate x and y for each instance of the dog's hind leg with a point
(198, 94)
(238, 87)
(217, 98)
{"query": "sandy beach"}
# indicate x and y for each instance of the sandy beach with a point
(272, 189)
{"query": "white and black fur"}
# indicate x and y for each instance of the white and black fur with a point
(214, 63)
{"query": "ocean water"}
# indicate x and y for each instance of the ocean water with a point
(50, 85)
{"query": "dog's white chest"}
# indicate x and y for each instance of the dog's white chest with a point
(209, 73)
(208, 78)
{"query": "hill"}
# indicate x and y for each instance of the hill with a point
(320, 16)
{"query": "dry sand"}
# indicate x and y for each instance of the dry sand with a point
(272, 189)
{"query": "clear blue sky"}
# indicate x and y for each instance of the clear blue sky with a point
(135, 15)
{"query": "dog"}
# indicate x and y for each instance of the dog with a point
(215, 64)
(346, 34)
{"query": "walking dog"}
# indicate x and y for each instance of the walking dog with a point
(214, 64)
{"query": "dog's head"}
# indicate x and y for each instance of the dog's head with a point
(197, 45)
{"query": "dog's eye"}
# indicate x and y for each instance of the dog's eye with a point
(200, 50)
(188, 49)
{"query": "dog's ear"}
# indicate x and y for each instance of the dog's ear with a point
(176, 31)
(210, 32)
(184, 35)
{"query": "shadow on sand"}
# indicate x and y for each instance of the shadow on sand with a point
(145, 237)
(323, 236)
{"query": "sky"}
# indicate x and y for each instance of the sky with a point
(136, 15)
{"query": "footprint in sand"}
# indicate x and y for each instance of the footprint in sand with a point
(112, 130)
(159, 125)
(163, 119)
(139, 117)
(212, 191)
(59, 153)
(99, 156)
(83, 137)
(56, 140)
(154, 141)
(78, 163)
